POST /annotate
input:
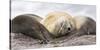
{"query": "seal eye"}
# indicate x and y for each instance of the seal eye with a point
(69, 29)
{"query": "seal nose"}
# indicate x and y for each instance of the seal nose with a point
(69, 29)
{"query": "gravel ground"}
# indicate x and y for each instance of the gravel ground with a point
(20, 41)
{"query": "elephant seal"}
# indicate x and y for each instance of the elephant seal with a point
(29, 25)
(59, 23)
(85, 25)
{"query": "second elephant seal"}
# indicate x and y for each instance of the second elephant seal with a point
(29, 25)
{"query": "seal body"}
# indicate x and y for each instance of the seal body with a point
(29, 25)
(85, 25)
(59, 23)
(36, 17)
